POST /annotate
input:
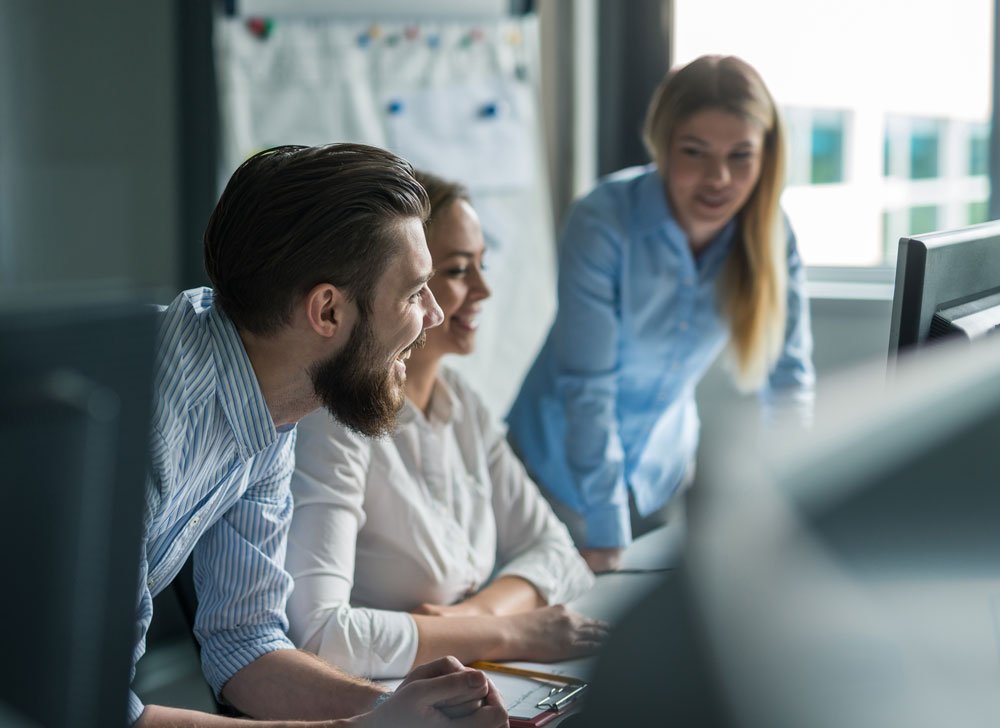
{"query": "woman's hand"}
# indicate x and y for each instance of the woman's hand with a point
(550, 634)
(601, 560)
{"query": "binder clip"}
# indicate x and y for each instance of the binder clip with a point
(560, 696)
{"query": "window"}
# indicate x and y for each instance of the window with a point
(887, 119)
(979, 150)
(815, 145)
(827, 148)
(923, 219)
(905, 222)
(924, 150)
(978, 212)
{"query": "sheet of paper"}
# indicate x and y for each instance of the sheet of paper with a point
(520, 694)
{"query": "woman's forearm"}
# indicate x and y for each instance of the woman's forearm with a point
(506, 595)
(546, 634)
(467, 638)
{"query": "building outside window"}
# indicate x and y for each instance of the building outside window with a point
(887, 106)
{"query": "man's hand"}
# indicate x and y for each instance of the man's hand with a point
(601, 560)
(441, 693)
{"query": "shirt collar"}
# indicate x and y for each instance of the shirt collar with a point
(238, 390)
(653, 210)
(445, 406)
(655, 213)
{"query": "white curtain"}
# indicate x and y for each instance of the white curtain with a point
(456, 98)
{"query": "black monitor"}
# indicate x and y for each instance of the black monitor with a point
(844, 576)
(947, 286)
(75, 394)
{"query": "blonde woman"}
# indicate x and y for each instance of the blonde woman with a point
(660, 269)
(432, 541)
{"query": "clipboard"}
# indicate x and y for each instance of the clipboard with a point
(533, 697)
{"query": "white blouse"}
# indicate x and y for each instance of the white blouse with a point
(431, 514)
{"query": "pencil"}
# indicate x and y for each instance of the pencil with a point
(524, 672)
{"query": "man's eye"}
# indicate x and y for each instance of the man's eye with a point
(456, 272)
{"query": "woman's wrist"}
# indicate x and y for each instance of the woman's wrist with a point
(511, 637)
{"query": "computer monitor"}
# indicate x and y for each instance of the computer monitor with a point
(947, 285)
(846, 575)
(75, 394)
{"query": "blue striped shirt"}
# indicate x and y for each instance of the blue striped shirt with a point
(218, 486)
(608, 407)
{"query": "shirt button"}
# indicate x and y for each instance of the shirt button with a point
(683, 325)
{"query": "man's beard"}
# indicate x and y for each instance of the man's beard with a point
(358, 387)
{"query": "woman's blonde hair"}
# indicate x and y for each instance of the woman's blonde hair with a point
(753, 286)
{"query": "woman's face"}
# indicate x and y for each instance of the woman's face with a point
(713, 163)
(456, 243)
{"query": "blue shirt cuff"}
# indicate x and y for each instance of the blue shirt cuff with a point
(608, 527)
(224, 654)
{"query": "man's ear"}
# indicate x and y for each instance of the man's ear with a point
(325, 309)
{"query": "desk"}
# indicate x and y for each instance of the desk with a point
(614, 592)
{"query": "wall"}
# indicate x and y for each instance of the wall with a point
(846, 332)
(88, 109)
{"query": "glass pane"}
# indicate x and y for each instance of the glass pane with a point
(828, 149)
(923, 219)
(908, 88)
(924, 150)
(979, 150)
(978, 212)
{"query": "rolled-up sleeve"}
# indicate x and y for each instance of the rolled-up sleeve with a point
(239, 574)
(144, 614)
(144, 598)
(585, 334)
(329, 489)
(789, 390)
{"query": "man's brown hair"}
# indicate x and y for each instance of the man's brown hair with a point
(293, 217)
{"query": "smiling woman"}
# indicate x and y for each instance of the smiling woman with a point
(660, 269)
(432, 541)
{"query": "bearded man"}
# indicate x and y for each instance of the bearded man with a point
(319, 269)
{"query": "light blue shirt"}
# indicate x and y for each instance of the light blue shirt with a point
(219, 486)
(608, 406)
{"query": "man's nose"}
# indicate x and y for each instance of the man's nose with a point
(433, 315)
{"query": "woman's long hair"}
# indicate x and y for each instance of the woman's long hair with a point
(753, 285)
